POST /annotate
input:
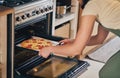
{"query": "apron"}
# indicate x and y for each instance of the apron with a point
(112, 67)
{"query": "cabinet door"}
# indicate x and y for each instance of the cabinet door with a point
(6, 42)
(3, 46)
(63, 31)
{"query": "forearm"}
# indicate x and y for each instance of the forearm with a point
(67, 49)
(85, 29)
(99, 37)
(94, 41)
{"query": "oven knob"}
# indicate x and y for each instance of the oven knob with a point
(28, 15)
(42, 11)
(37, 12)
(46, 9)
(33, 12)
(23, 17)
(18, 19)
(50, 7)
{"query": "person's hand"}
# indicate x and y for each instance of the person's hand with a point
(45, 52)
(66, 41)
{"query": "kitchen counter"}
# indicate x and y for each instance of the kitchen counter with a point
(5, 10)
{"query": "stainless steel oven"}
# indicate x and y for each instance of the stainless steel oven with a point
(33, 18)
(28, 64)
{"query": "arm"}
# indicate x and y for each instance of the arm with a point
(75, 47)
(99, 37)
(86, 24)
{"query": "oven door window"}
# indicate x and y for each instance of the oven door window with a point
(52, 68)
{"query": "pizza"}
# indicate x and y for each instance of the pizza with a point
(36, 43)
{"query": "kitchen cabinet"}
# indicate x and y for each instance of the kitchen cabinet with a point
(5, 41)
(71, 16)
(63, 30)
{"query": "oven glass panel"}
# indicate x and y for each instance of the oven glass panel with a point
(52, 68)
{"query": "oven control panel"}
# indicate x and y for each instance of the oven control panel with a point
(32, 11)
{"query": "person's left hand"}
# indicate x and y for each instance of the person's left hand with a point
(45, 52)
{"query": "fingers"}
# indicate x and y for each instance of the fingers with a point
(45, 55)
(65, 41)
(44, 52)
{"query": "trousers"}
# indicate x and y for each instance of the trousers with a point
(112, 67)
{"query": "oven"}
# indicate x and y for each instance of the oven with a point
(28, 64)
(36, 21)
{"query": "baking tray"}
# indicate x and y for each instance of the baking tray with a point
(54, 43)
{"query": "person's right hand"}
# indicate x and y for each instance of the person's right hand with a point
(45, 52)
(66, 41)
